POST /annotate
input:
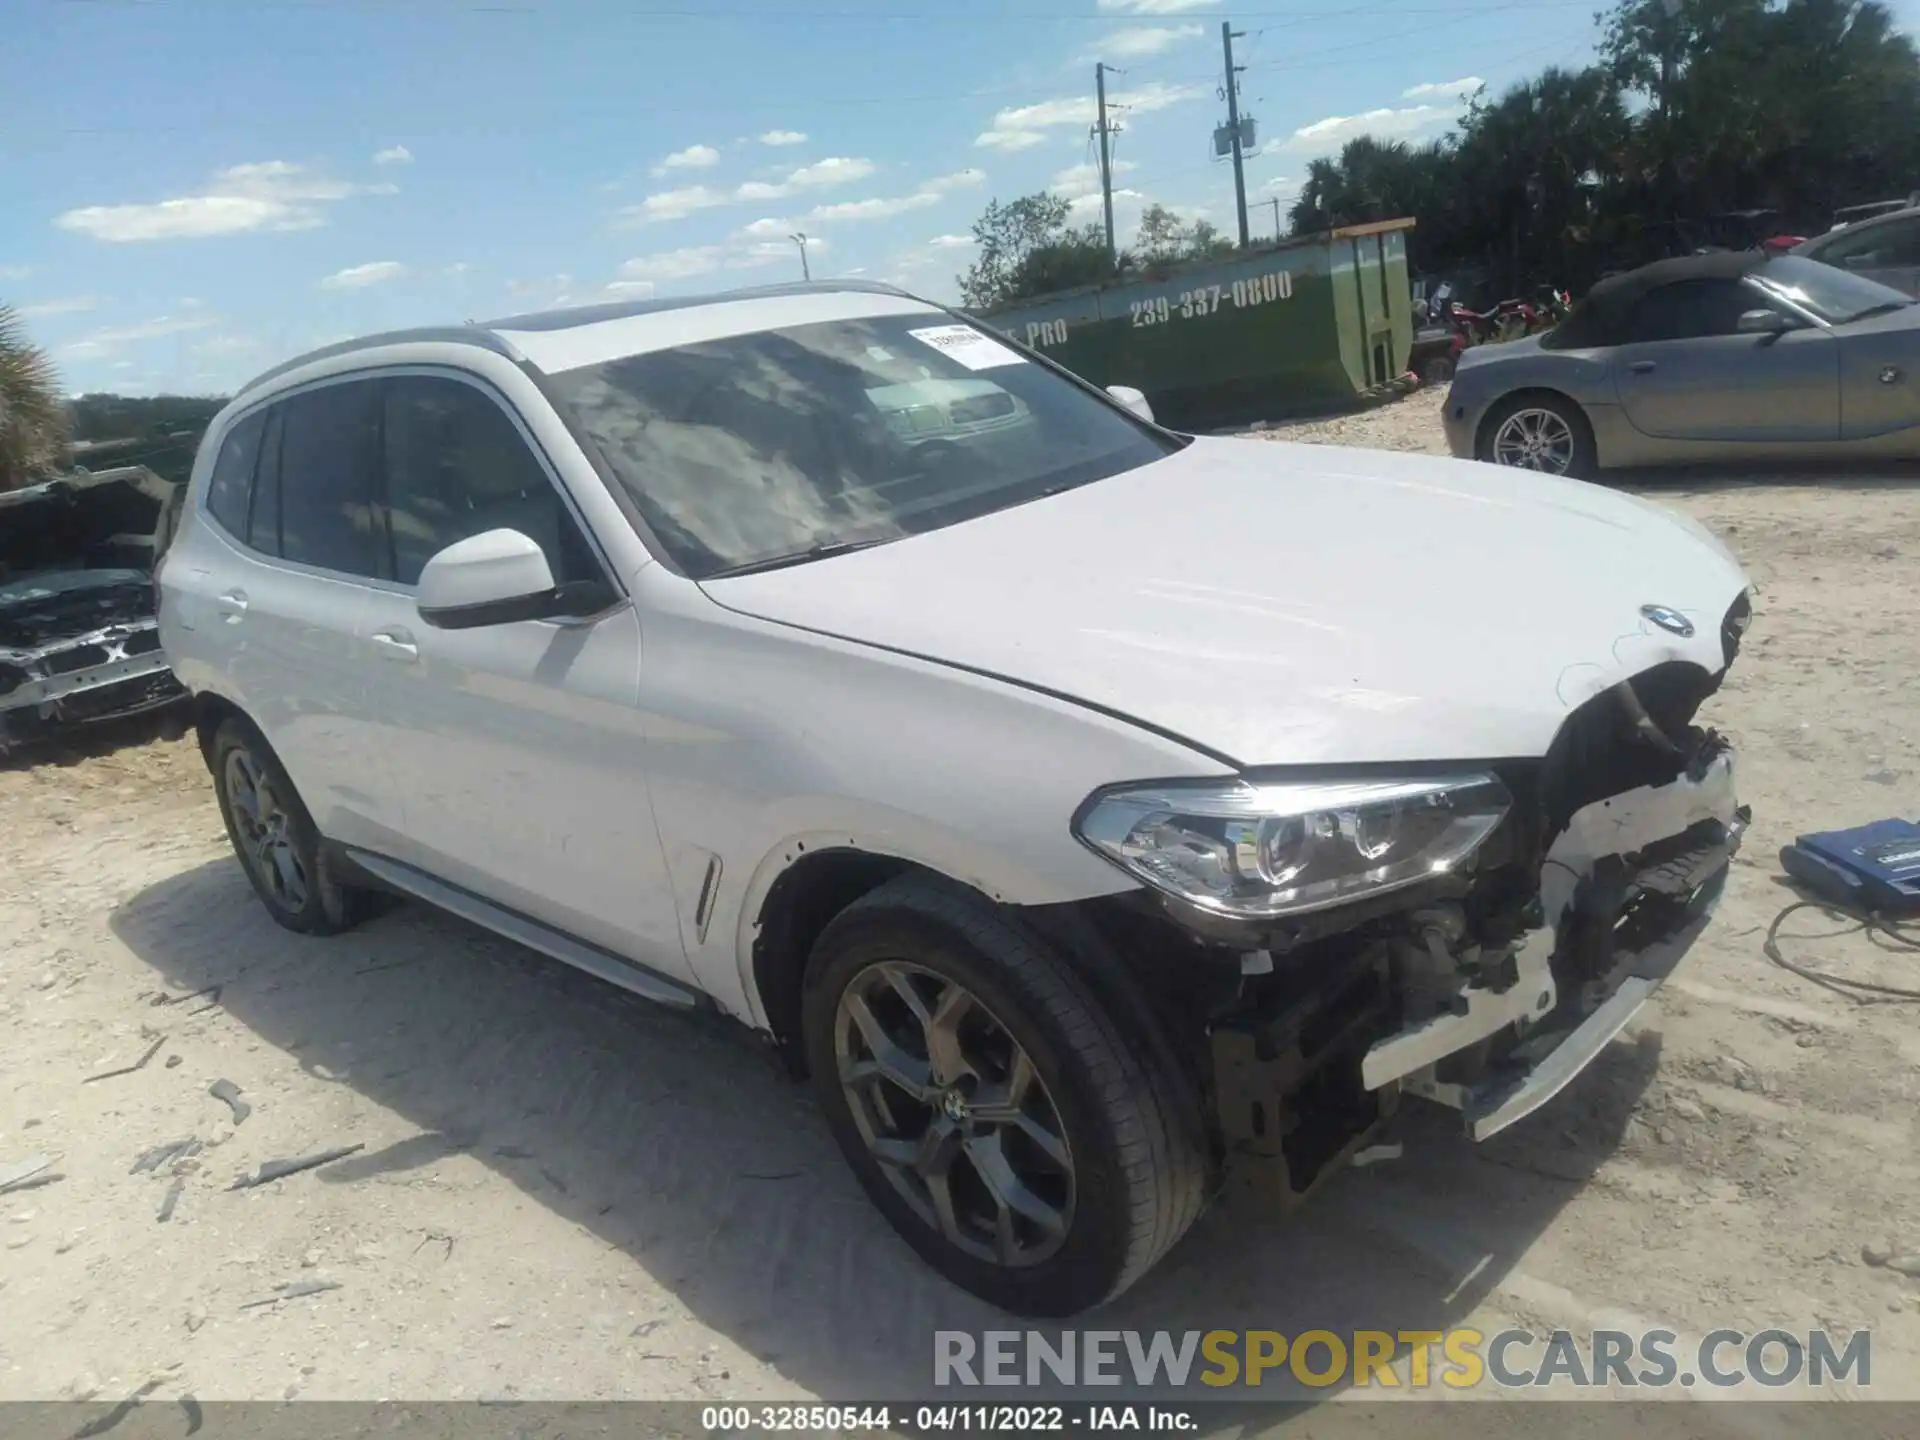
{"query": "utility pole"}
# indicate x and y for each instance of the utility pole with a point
(1106, 160)
(800, 238)
(1276, 217)
(1233, 127)
(1670, 10)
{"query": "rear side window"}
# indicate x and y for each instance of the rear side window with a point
(456, 466)
(1893, 244)
(263, 521)
(329, 515)
(230, 487)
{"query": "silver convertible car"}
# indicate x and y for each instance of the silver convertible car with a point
(1701, 359)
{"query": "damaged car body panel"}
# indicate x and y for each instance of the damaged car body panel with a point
(79, 636)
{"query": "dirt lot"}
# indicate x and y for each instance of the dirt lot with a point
(565, 1194)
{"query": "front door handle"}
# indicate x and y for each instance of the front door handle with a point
(1640, 367)
(396, 644)
(233, 605)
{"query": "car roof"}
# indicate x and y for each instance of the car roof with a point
(491, 334)
(1867, 222)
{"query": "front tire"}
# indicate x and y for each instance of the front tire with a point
(1543, 432)
(275, 838)
(989, 1104)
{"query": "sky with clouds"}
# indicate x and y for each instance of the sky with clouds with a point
(196, 189)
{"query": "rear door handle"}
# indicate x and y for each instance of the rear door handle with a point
(396, 644)
(1640, 367)
(234, 604)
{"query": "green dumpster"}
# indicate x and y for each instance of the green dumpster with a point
(1310, 323)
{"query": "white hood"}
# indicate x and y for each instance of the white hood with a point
(1292, 604)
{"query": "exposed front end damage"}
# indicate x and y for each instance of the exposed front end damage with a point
(79, 639)
(1489, 989)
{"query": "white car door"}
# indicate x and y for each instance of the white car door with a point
(291, 588)
(516, 748)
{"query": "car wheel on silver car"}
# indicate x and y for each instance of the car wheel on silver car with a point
(1539, 431)
(275, 838)
(988, 1105)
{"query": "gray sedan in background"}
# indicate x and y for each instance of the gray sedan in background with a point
(1708, 358)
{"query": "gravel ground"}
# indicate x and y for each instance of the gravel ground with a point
(564, 1194)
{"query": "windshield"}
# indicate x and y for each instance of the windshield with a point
(1836, 296)
(754, 448)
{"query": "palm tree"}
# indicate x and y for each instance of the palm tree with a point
(33, 419)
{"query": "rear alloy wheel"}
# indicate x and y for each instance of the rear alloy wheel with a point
(1542, 433)
(275, 838)
(990, 1105)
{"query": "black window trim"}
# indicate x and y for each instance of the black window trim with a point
(379, 374)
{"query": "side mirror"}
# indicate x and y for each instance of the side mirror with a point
(494, 578)
(1763, 322)
(1132, 399)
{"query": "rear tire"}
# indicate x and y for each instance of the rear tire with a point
(1539, 431)
(922, 1008)
(275, 838)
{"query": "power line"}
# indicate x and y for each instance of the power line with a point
(967, 16)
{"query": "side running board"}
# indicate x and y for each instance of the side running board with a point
(602, 964)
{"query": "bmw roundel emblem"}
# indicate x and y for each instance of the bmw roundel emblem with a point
(1669, 619)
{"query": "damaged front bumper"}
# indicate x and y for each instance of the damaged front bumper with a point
(1626, 889)
(113, 671)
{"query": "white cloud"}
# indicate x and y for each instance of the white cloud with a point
(879, 208)
(1084, 207)
(767, 228)
(270, 195)
(393, 155)
(694, 157)
(931, 192)
(359, 277)
(953, 242)
(820, 175)
(1021, 126)
(1280, 185)
(1078, 180)
(691, 261)
(1137, 41)
(65, 305)
(15, 272)
(1155, 7)
(226, 345)
(1331, 133)
(834, 170)
(677, 204)
(784, 137)
(1447, 89)
(100, 343)
(631, 289)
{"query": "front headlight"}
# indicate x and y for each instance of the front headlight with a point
(1256, 851)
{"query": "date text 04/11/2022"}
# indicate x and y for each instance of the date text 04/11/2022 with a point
(979, 1419)
(1194, 304)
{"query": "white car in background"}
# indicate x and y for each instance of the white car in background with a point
(1089, 809)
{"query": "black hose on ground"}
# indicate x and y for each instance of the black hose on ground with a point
(1887, 932)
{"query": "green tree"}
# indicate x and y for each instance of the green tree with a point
(33, 421)
(1026, 248)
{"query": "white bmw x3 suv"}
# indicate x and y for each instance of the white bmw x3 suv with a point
(1093, 812)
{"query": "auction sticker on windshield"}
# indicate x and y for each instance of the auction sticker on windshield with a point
(967, 345)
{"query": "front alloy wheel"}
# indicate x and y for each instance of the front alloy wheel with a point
(1027, 1144)
(951, 1107)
